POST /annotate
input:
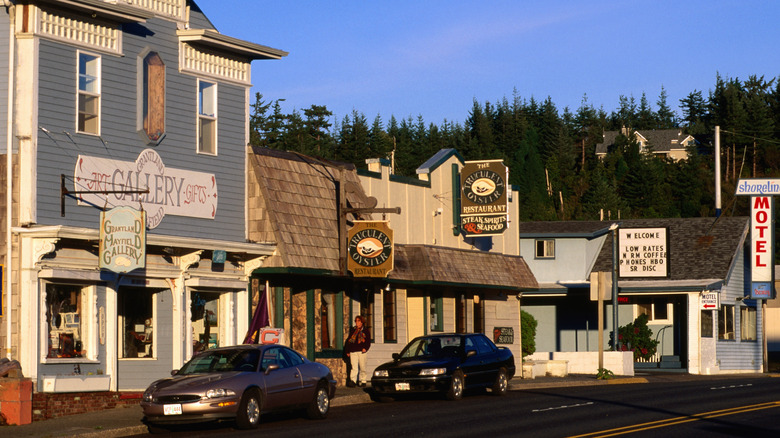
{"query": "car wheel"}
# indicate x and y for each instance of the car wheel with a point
(455, 392)
(501, 385)
(319, 407)
(249, 410)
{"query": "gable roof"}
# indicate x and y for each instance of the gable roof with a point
(701, 250)
(292, 201)
(661, 141)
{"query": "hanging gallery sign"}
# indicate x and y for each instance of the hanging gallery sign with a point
(483, 205)
(370, 249)
(642, 252)
(122, 239)
(171, 191)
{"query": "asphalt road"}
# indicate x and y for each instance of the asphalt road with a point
(726, 407)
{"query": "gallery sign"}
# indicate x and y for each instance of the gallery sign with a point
(171, 191)
(370, 249)
(643, 252)
(483, 206)
(122, 239)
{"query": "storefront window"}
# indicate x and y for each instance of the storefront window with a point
(204, 308)
(479, 314)
(136, 320)
(64, 306)
(706, 323)
(328, 317)
(436, 319)
(726, 322)
(747, 324)
(367, 310)
(388, 315)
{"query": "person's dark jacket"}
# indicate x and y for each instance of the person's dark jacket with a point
(358, 341)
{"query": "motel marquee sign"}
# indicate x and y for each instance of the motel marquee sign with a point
(762, 234)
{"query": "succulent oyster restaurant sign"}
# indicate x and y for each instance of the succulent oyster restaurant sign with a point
(483, 203)
(171, 191)
(122, 239)
(370, 249)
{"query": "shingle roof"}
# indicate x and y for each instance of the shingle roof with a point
(659, 140)
(292, 201)
(699, 248)
(435, 264)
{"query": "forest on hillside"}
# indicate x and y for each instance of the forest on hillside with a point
(551, 153)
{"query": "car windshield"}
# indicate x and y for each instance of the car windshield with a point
(439, 346)
(216, 361)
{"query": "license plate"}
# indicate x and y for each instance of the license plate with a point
(172, 409)
(402, 386)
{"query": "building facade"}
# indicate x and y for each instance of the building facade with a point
(689, 275)
(132, 104)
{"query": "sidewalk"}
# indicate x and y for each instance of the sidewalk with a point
(127, 421)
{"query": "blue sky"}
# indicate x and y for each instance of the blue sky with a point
(433, 58)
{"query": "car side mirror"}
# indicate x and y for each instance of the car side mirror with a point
(396, 357)
(269, 368)
(471, 353)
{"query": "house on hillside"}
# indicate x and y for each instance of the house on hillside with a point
(689, 275)
(308, 204)
(127, 104)
(668, 143)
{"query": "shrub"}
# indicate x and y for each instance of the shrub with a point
(528, 333)
(637, 337)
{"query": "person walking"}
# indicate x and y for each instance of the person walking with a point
(356, 348)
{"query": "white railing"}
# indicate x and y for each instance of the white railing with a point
(168, 8)
(80, 32)
(196, 61)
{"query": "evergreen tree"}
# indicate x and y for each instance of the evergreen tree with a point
(665, 116)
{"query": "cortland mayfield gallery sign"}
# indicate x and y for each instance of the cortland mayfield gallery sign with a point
(483, 205)
(370, 249)
(122, 239)
(171, 191)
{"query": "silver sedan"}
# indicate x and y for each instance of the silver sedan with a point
(239, 383)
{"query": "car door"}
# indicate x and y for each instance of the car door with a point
(488, 359)
(472, 363)
(283, 384)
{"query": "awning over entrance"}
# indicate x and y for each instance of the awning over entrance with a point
(425, 264)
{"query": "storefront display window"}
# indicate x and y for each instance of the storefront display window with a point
(747, 324)
(136, 319)
(328, 317)
(64, 307)
(435, 317)
(726, 322)
(204, 308)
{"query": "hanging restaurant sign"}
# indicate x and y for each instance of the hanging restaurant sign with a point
(122, 239)
(370, 249)
(483, 197)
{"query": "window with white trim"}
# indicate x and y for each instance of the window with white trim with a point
(726, 322)
(658, 310)
(88, 118)
(207, 117)
(69, 310)
(545, 249)
(136, 322)
(747, 324)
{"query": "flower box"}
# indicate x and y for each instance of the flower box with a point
(75, 383)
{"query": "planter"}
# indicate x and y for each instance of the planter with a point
(76, 383)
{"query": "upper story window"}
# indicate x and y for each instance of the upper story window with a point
(88, 120)
(207, 117)
(545, 249)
